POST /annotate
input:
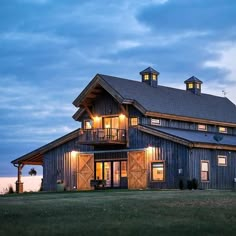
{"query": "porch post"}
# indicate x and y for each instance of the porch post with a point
(19, 184)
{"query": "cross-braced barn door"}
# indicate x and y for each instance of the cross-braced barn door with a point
(137, 170)
(85, 171)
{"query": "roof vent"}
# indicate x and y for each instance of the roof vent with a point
(193, 84)
(150, 76)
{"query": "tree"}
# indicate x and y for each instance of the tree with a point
(32, 172)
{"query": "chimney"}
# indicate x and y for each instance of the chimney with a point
(150, 76)
(193, 84)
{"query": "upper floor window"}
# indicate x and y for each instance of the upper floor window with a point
(222, 160)
(133, 121)
(111, 122)
(198, 86)
(154, 77)
(222, 129)
(88, 124)
(190, 85)
(202, 127)
(146, 77)
(155, 121)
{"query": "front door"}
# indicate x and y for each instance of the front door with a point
(114, 172)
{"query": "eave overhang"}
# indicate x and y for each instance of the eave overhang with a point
(36, 157)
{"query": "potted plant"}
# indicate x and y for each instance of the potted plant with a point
(60, 185)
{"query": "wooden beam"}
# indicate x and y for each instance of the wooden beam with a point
(124, 111)
(214, 146)
(88, 111)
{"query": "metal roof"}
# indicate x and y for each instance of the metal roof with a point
(173, 101)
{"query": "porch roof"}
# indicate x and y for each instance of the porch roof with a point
(36, 157)
(193, 138)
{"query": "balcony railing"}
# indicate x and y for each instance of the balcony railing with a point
(102, 136)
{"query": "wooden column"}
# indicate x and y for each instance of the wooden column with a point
(19, 184)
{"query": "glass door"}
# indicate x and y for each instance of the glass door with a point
(116, 174)
(107, 173)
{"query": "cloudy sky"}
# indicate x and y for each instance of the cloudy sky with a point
(51, 49)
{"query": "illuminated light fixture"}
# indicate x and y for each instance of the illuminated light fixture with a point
(96, 118)
(149, 149)
(74, 153)
(122, 116)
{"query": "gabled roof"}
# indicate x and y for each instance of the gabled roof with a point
(193, 138)
(165, 100)
(193, 79)
(148, 71)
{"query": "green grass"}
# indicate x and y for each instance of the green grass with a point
(119, 213)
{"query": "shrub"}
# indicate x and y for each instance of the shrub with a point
(32, 172)
(10, 190)
(194, 183)
(181, 184)
(189, 184)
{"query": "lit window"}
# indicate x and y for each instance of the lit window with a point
(124, 169)
(134, 121)
(155, 122)
(190, 86)
(204, 170)
(154, 77)
(146, 77)
(88, 124)
(158, 171)
(202, 127)
(222, 160)
(198, 86)
(222, 129)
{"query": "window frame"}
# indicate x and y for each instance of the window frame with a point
(164, 170)
(225, 131)
(190, 86)
(154, 77)
(221, 156)
(88, 121)
(208, 171)
(146, 77)
(134, 117)
(201, 129)
(153, 123)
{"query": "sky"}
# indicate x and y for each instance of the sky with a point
(51, 49)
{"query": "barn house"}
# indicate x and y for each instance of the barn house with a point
(139, 135)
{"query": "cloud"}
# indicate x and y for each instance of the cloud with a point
(34, 1)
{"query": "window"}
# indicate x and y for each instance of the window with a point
(158, 171)
(123, 168)
(202, 127)
(88, 124)
(155, 121)
(204, 170)
(154, 77)
(146, 77)
(198, 86)
(222, 160)
(190, 85)
(134, 121)
(222, 129)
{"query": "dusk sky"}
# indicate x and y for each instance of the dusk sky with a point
(51, 49)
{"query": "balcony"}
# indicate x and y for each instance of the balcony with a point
(102, 136)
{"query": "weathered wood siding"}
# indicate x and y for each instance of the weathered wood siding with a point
(221, 177)
(60, 164)
(175, 157)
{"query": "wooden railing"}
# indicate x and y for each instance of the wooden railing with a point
(109, 135)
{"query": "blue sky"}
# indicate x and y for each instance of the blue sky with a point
(51, 49)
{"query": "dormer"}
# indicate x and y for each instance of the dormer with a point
(193, 85)
(150, 76)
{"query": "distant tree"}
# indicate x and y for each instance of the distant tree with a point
(32, 172)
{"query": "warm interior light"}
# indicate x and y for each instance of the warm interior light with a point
(96, 118)
(149, 149)
(122, 116)
(74, 153)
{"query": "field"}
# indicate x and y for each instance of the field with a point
(119, 212)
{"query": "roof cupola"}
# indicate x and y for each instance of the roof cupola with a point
(150, 76)
(193, 84)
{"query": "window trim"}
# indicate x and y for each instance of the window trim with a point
(89, 121)
(221, 156)
(208, 162)
(190, 86)
(200, 129)
(146, 77)
(156, 124)
(164, 171)
(134, 117)
(223, 132)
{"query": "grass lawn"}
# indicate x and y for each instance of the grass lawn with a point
(119, 212)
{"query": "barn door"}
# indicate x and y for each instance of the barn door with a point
(137, 170)
(85, 171)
